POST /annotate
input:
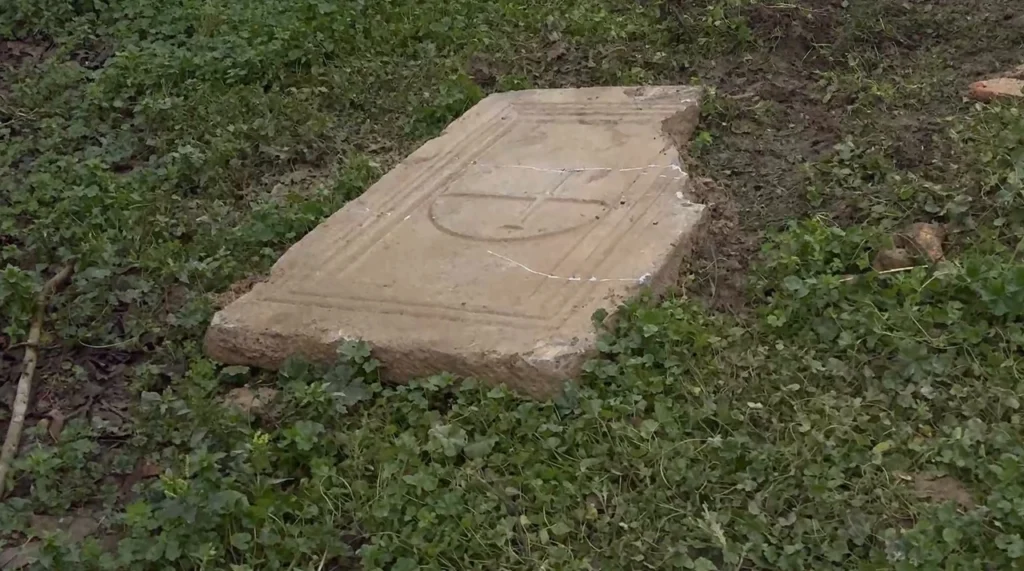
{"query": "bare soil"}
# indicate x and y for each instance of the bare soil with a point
(14, 53)
(776, 111)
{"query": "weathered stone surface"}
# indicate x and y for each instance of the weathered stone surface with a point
(486, 251)
(996, 88)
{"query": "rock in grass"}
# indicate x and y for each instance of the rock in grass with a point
(75, 527)
(1000, 87)
(925, 239)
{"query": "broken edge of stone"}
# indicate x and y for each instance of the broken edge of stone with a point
(540, 373)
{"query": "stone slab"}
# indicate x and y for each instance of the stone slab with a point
(487, 250)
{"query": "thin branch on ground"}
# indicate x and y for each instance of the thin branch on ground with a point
(20, 407)
(882, 273)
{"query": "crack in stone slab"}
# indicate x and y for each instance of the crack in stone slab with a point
(645, 278)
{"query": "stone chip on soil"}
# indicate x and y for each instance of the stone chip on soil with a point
(1000, 87)
(486, 251)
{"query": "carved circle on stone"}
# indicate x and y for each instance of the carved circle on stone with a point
(506, 218)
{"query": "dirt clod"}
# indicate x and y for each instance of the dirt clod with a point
(248, 400)
(722, 252)
(483, 70)
(143, 470)
(924, 239)
(679, 127)
(942, 489)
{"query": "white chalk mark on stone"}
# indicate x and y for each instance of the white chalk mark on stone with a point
(641, 280)
(676, 168)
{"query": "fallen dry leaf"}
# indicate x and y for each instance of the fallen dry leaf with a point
(143, 470)
(56, 424)
(77, 528)
(18, 556)
(556, 51)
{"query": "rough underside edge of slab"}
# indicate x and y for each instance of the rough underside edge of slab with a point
(539, 373)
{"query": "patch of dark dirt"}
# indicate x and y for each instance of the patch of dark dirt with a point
(144, 470)
(93, 55)
(794, 31)
(14, 53)
(85, 383)
(484, 71)
(817, 73)
(722, 252)
(765, 128)
(680, 126)
(75, 384)
(76, 527)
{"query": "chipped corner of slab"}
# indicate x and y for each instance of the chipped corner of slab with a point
(486, 252)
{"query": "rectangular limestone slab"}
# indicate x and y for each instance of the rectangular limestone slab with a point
(487, 250)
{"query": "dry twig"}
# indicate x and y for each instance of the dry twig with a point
(882, 273)
(28, 370)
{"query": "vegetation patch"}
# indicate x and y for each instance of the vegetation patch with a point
(792, 407)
